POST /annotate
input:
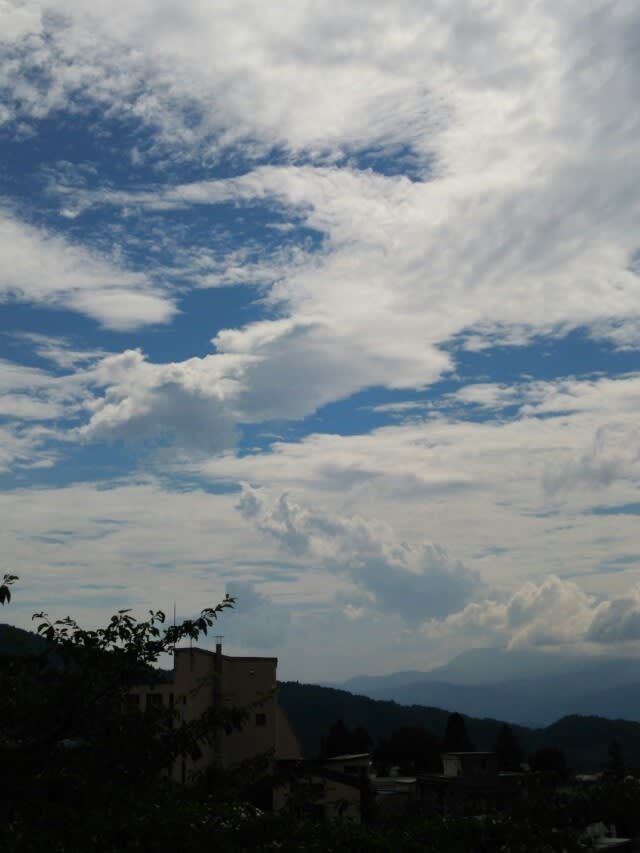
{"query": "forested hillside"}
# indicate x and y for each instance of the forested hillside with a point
(585, 740)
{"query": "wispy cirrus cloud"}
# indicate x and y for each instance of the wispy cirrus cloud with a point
(44, 268)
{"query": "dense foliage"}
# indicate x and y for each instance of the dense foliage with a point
(508, 749)
(72, 751)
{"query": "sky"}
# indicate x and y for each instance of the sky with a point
(332, 307)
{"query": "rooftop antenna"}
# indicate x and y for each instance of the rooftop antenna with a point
(174, 625)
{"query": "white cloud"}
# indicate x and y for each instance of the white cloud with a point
(394, 281)
(24, 407)
(36, 394)
(523, 225)
(481, 487)
(415, 581)
(45, 269)
(550, 613)
(189, 404)
(521, 128)
(526, 225)
(24, 448)
(59, 351)
(89, 549)
(617, 621)
(30, 400)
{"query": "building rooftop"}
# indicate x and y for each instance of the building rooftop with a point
(225, 657)
(349, 757)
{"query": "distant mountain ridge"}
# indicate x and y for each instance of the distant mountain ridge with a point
(525, 687)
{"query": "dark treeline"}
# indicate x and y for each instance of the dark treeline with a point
(412, 750)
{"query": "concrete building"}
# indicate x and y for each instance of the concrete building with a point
(202, 679)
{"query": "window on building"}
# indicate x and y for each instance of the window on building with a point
(261, 719)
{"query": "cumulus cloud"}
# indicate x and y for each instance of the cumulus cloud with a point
(616, 621)
(546, 614)
(550, 613)
(275, 371)
(416, 581)
(185, 404)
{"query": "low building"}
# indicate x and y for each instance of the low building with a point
(470, 784)
(394, 796)
(336, 788)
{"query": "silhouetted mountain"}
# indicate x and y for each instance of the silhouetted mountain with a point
(490, 666)
(495, 700)
(363, 683)
(313, 709)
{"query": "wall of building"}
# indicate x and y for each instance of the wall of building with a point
(250, 683)
(205, 679)
(287, 743)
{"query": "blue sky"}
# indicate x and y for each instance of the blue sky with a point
(333, 308)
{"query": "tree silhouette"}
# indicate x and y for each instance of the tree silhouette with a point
(508, 749)
(616, 765)
(550, 759)
(341, 740)
(456, 738)
(412, 748)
